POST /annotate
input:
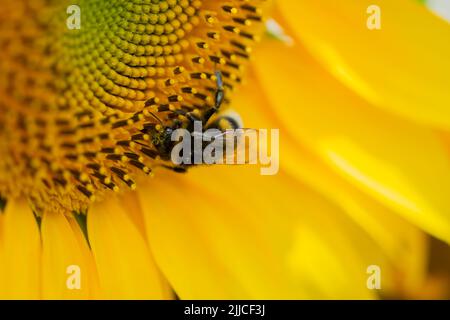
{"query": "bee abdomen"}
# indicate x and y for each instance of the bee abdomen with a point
(231, 121)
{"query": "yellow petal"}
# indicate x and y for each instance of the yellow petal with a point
(404, 244)
(403, 68)
(227, 232)
(67, 271)
(402, 165)
(20, 253)
(92, 274)
(182, 248)
(125, 265)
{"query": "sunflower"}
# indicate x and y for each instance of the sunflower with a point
(364, 150)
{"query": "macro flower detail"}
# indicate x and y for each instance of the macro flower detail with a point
(82, 110)
(359, 207)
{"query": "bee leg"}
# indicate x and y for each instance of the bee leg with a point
(209, 113)
(192, 119)
(177, 169)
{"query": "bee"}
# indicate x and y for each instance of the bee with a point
(162, 136)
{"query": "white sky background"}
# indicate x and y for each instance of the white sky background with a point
(440, 7)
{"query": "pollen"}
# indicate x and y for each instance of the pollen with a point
(76, 103)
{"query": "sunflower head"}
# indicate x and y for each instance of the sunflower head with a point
(80, 109)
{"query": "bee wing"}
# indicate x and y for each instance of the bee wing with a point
(240, 146)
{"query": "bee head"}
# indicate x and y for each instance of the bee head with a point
(162, 141)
